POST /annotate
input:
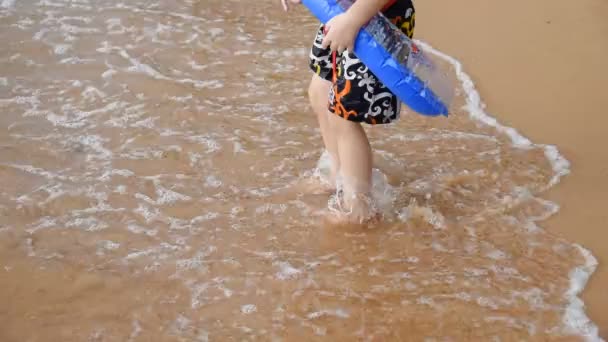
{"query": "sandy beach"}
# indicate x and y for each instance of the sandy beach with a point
(152, 155)
(541, 68)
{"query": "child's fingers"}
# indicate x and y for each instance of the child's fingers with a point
(333, 46)
(326, 42)
(285, 3)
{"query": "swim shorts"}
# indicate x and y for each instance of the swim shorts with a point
(357, 94)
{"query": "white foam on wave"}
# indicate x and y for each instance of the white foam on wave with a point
(145, 69)
(137, 329)
(89, 224)
(108, 174)
(76, 60)
(248, 309)
(475, 107)
(105, 246)
(274, 209)
(42, 223)
(212, 182)
(91, 94)
(206, 84)
(287, 271)
(433, 218)
(38, 171)
(7, 3)
(75, 118)
(136, 229)
(61, 49)
(108, 73)
(196, 66)
(439, 135)
(215, 32)
(197, 261)
(212, 144)
(147, 213)
(339, 313)
(94, 143)
(167, 196)
(575, 319)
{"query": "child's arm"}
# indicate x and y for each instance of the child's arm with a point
(343, 28)
(363, 10)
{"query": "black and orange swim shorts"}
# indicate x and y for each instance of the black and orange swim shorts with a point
(357, 94)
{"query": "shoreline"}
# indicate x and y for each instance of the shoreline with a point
(575, 318)
(535, 101)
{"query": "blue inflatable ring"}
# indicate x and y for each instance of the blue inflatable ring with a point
(390, 69)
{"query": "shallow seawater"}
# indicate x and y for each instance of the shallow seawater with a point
(150, 153)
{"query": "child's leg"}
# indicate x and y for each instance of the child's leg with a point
(355, 155)
(318, 93)
(357, 97)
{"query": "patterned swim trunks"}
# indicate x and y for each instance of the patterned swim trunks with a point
(357, 95)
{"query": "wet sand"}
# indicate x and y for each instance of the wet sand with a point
(541, 67)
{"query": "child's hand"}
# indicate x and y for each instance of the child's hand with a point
(286, 3)
(341, 33)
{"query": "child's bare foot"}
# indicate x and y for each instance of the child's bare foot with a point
(358, 209)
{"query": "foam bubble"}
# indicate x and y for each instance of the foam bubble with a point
(8, 3)
(61, 49)
(212, 144)
(339, 313)
(94, 143)
(91, 94)
(248, 309)
(136, 330)
(90, 224)
(108, 73)
(197, 66)
(212, 182)
(287, 272)
(215, 32)
(433, 218)
(42, 223)
(274, 209)
(136, 229)
(149, 214)
(197, 261)
(107, 245)
(76, 60)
